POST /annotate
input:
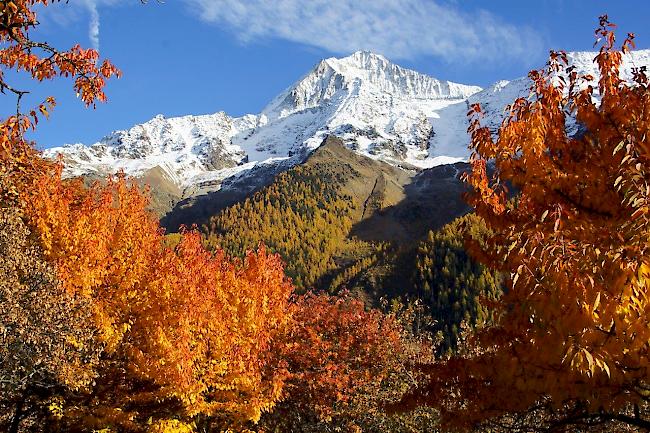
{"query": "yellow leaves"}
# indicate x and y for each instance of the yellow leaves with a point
(43, 110)
(75, 343)
(596, 302)
(10, 7)
(643, 274)
(56, 408)
(214, 322)
(171, 426)
(585, 362)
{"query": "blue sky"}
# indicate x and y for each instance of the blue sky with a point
(201, 56)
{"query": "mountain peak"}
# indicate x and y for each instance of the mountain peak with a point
(362, 73)
(362, 59)
(374, 107)
(374, 69)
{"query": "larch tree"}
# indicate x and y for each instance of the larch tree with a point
(569, 349)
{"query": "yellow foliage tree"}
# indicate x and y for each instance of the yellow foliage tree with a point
(182, 335)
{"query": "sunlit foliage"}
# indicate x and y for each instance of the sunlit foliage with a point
(570, 346)
(302, 216)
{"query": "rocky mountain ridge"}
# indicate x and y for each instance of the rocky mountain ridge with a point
(377, 108)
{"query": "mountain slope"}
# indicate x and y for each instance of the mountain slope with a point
(338, 207)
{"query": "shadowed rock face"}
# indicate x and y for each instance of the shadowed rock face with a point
(396, 204)
(432, 198)
(197, 209)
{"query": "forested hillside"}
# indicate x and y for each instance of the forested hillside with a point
(312, 215)
(308, 213)
(455, 286)
(303, 215)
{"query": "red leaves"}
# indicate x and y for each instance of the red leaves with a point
(338, 352)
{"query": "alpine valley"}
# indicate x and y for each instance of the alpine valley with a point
(351, 174)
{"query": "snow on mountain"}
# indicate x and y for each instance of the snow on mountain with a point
(498, 96)
(377, 108)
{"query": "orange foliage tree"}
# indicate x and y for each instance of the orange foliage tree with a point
(204, 332)
(344, 362)
(182, 333)
(570, 347)
(185, 333)
(45, 337)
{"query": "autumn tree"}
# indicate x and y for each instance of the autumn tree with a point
(163, 338)
(344, 361)
(195, 350)
(205, 330)
(570, 347)
(45, 331)
(40, 61)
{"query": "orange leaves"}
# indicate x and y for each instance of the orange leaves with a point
(212, 321)
(42, 61)
(574, 239)
(196, 325)
(101, 240)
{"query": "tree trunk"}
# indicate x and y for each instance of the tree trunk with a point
(18, 415)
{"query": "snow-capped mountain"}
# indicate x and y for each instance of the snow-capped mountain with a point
(376, 107)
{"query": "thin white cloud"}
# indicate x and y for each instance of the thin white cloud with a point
(93, 25)
(399, 29)
(67, 14)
